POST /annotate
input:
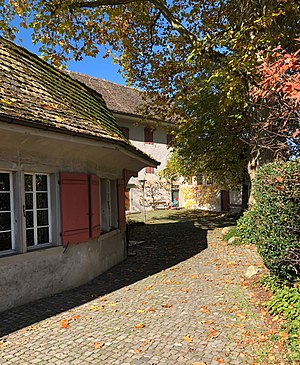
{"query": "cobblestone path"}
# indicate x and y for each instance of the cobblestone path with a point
(183, 287)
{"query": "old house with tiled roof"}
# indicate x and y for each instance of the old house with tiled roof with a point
(150, 134)
(64, 164)
(153, 136)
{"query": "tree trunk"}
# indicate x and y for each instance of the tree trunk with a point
(258, 157)
(245, 196)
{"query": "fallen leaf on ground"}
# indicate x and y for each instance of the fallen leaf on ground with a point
(185, 290)
(219, 360)
(212, 333)
(95, 308)
(194, 276)
(98, 345)
(139, 325)
(167, 305)
(206, 322)
(284, 335)
(3, 343)
(204, 309)
(241, 315)
(188, 339)
(151, 310)
(31, 328)
(263, 337)
(137, 351)
(75, 317)
(64, 323)
(199, 363)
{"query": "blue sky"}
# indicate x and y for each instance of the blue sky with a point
(97, 67)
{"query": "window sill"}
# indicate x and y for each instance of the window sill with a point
(8, 253)
(19, 257)
(107, 234)
(40, 247)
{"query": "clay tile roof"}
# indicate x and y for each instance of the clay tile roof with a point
(127, 100)
(119, 98)
(38, 94)
(33, 90)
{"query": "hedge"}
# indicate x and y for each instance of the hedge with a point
(273, 224)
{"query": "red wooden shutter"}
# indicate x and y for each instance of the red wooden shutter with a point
(121, 204)
(95, 206)
(148, 135)
(74, 207)
(127, 199)
(149, 170)
(170, 139)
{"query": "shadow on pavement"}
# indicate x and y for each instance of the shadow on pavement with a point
(165, 245)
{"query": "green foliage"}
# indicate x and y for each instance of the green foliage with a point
(285, 302)
(273, 224)
(232, 233)
(203, 55)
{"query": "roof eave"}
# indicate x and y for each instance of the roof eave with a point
(42, 126)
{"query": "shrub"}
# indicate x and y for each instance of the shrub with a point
(232, 233)
(273, 224)
(285, 302)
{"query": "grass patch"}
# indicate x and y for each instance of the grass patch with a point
(232, 233)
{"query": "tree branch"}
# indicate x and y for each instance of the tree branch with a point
(161, 5)
(98, 3)
(175, 23)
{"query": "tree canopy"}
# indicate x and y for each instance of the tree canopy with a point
(203, 55)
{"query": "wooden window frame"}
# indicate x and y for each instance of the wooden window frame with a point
(149, 170)
(148, 135)
(11, 211)
(35, 210)
(170, 139)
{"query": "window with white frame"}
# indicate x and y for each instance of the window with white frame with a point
(109, 205)
(6, 212)
(37, 209)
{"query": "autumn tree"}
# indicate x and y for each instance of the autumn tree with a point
(203, 55)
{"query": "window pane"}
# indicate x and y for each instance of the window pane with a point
(5, 241)
(43, 235)
(29, 219)
(29, 237)
(41, 183)
(28, 182)
(42, 217)
(42, 200)
(4, 201)
(29, 200)
(4, 182)
(5, 222)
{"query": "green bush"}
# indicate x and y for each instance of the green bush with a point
(273, 224)
(285, 302)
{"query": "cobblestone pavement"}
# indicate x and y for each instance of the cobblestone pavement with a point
(183, 287)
